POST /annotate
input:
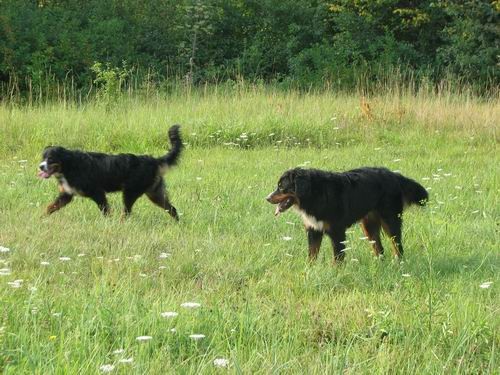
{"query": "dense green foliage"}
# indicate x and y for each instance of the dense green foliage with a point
(309, 42)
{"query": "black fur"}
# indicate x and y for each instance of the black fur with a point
(93, 174)
(374, 196)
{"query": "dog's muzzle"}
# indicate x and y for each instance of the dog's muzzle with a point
(43, 166)
(44, 170)
(283, 201)
(270, 198)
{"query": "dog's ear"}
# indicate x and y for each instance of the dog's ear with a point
(47, 148)
(302, 185)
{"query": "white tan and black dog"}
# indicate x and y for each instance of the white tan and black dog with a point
(93, 174)
(329, 203)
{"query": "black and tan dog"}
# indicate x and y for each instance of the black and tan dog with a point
(92, 175)
(331, 202)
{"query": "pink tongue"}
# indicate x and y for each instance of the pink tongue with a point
(43, 174)
(277, 211)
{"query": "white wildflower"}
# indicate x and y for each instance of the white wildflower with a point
(197, 336)
(4, 249)
(5, 271)
(107, 368)
(486, 284)
(221, 362)
(190, 305)
(16, 283)
(287, 238)
(169, 314)
(126, 360)
(64, 259)
(144, 338)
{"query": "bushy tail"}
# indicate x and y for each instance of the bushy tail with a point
(413, 192)
(172, 156)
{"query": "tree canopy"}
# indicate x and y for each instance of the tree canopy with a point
(308, 41)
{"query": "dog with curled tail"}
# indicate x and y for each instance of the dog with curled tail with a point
(93, 174)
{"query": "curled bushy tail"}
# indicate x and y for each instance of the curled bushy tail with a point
(175, 151)
(413, 192)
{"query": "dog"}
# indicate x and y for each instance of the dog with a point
(93, 174)
(331, 202)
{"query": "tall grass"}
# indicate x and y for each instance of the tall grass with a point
(247, 117)
(44, 87)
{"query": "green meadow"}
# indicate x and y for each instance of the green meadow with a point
(77, 289)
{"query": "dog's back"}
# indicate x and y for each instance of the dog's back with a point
(373, 188)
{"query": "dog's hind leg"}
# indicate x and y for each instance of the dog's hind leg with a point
(314, 239)
(337, 236)
(129, 198)
(371, 227)
(99, 197)
(392, 226)
(158, 196)
(62, 200)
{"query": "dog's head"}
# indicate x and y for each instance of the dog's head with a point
(293, 186)
(54, 158)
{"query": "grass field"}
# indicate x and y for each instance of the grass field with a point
(92, 285)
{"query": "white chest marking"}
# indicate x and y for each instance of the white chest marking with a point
(310, 221)
(65, 186)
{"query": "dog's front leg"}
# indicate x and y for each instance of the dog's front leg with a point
(62, 200)
(337, 236)
(314, 239)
